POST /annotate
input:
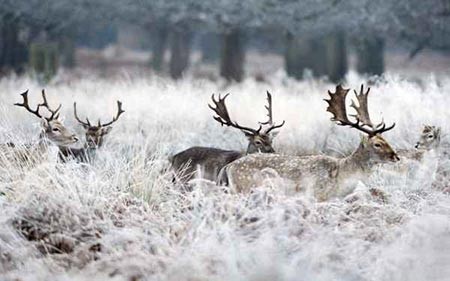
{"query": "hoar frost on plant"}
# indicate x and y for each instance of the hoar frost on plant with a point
(122, 218)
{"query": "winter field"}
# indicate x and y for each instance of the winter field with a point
(122, 218)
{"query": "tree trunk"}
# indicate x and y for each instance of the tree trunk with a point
(336, 56)
(179, 52)
(13, 53)
(370, 56)
(303, 54)
(159, 47)
(67, 51)
(210, 47)
(44, 60)
(232, 56)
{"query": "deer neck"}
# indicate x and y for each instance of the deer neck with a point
(44, 142)
(357, 162)
(251, 149)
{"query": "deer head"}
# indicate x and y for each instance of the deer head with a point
(373, 144)
(430, 138)
(94, 133)
(259, 140)
(52, 128)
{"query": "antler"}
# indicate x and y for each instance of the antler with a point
(119, 112)
(269, 110)
(54, 113)
(337, 107)
(87, 123)
(223, 117)
(270, 115)
(362, 112)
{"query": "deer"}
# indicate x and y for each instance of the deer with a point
(430, 139)
(211, 160)
(53, 133)
(94, 137)
(322, 176)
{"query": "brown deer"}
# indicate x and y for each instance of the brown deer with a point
(53, 132)
(94, 135)
(324, 176)
(211, 160)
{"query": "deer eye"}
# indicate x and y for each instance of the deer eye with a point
(377, 145)
(430, 136)
(55, 129)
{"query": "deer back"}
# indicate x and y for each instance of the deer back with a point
(209, 160)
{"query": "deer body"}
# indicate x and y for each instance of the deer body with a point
(209, 161)
(325, 176)
(206, 160)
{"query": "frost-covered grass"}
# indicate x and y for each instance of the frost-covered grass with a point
(123, 219)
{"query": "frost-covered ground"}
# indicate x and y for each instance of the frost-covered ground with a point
(123, 219)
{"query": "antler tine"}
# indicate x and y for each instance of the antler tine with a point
(336, 105)
(273, 127)
(119, 112)
(270, 115)
(383, 128)
(269, 110)
(223, 117)
(87, 123)
(54, 113)
(362, 109)
(221, 110)
(26, 105)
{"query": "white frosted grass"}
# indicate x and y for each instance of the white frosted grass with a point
(123, 218)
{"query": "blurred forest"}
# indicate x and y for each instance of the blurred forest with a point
(224, 38)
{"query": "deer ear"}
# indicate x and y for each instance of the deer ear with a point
(106, 130)
(364, 140)
(44, 123)
(273, 134)
(250, 136)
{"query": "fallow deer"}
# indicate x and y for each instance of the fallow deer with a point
(94, 135)
(53, 132)
(211, 160)
(324, 176)
(429, 139)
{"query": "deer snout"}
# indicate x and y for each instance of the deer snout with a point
(395, 158)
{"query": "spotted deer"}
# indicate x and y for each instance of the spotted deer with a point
(323, 176)
(209, 161)
(94, 136)
(53, 133)
(430, 139)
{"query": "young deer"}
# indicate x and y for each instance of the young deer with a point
(53, 132)
(94, 137)
(429, 139)
(211, 160)
(325, 176)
